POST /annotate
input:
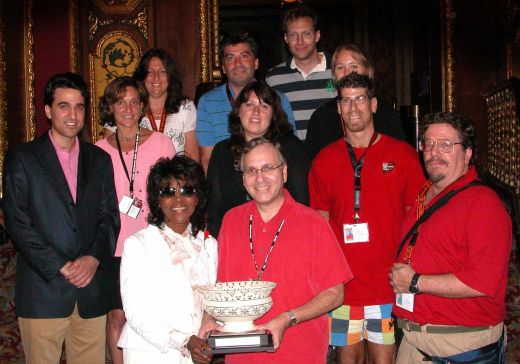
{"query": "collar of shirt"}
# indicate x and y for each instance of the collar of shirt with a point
(320, 67)
(74, 150)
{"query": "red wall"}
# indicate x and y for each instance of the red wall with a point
(51, 50)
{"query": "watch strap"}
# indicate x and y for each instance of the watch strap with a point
(413, 284)
(293, 320)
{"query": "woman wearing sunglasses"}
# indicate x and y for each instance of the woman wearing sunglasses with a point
(163, 265)
(133, 151)
(257, 112)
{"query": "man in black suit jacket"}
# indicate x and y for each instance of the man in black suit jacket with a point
(62, 215)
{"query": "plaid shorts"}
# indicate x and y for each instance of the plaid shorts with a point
(348, 325)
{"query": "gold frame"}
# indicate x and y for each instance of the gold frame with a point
(30, 126)
(73, 35)
(209, 30)
(448, 85)
(3, 102)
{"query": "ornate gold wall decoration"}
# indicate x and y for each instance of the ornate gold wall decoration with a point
(30, 129)
(209, 41)
(141, 21)
(204, 25)
(95, 24)
(503, 144)
(215, 34)
(116, 6)
(3, 102)
(73, 34)
(448, 86)
(116, 55)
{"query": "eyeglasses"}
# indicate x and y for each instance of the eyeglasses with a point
(445, 145)
(171, 191)
(265, 169)
(347, 101)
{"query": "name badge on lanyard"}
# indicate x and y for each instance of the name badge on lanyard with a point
(130, 206)
(355, 233)
(405, 301)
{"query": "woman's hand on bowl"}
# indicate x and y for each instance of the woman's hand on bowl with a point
(199, 350)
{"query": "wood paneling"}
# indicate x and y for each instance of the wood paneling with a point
(176, 30)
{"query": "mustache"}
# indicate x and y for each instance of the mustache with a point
(436, 159)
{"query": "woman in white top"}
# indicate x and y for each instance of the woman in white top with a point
(163, 265)
(169, 112)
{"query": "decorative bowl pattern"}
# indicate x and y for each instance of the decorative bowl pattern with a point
(237, 304)
(237, 291)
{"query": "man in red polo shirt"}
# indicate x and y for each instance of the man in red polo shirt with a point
(451, 275)
(293, 247)
(364, 184)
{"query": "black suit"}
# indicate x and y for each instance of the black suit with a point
(49, 229)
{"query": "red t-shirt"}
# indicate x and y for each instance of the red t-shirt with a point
(305, 261)
(390, 179)
(471, 237)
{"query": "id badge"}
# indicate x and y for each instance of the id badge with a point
(355, 233)
(130, 206)
(405, 301)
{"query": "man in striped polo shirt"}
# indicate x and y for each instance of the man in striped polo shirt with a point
(305, 78)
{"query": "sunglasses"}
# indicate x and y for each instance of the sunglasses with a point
(183, 191)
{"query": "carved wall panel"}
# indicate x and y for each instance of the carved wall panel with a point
(115, 33)
(117, 54)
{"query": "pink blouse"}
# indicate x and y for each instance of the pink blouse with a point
(156, 146)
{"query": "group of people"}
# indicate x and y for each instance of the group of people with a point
(302, 179)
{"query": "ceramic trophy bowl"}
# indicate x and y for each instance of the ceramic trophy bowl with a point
(237, 304)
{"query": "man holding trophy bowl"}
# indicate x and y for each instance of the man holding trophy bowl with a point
(274, 252)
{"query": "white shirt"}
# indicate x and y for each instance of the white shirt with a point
(162, 308)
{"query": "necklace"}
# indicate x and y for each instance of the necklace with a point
(129, 138)
(260, 272)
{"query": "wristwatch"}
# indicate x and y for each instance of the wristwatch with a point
(414, 289)
(292, 318)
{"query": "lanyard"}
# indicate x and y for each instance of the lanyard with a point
(154, 124)
(357, 166)
(134, 160)
(230, 97)
(260, 272)
(413, 233)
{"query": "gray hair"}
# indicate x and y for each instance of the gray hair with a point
(256, 142)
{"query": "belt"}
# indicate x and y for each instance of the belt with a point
(437, 329)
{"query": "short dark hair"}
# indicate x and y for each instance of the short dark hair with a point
(278, 126)
(115, 91)
(174, 97)
(256, 142)
(182, 168)
(65, 80)
(355, 80)
(235, 38)
(462, 125)
(297, 12)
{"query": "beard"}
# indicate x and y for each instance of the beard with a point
(434, 175)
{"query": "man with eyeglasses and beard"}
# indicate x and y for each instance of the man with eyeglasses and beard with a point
(363, 185)
(451, 272)
(274, 238)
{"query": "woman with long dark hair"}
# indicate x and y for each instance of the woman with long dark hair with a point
(257, 112)
(169, 111)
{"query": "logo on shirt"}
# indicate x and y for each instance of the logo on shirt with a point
(330, 86)
(388, 167)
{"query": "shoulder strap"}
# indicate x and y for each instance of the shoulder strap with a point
(429, 212)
